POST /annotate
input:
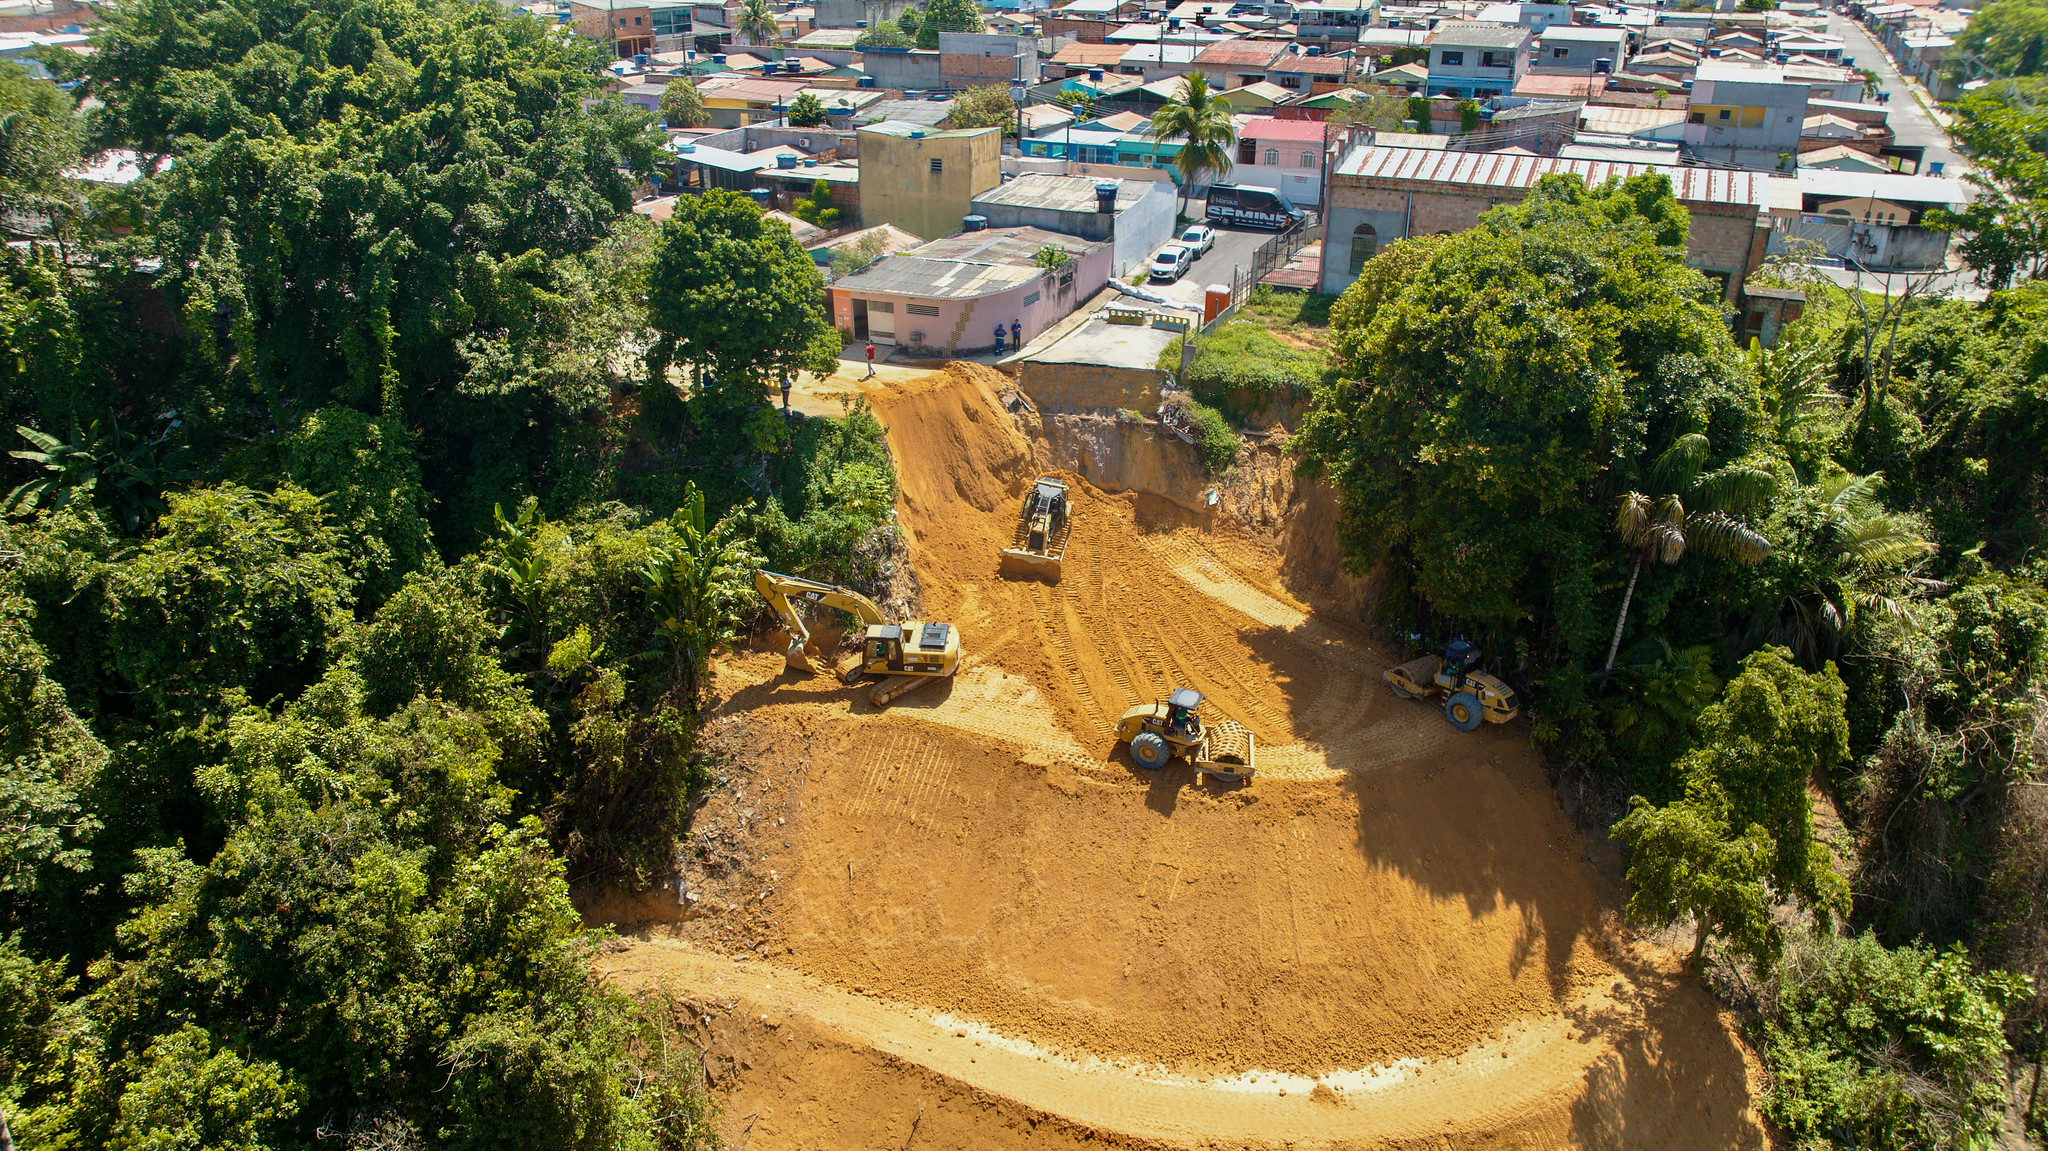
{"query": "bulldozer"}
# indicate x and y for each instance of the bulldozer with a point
(911, 654)
(1470, 697)
(1159, 731)
(1042, 530)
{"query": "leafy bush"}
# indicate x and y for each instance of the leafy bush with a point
(1899, 1049)
(1213, 435)
(1241, 370)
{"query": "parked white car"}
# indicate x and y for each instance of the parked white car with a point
(1172, 262)
(1199, 237)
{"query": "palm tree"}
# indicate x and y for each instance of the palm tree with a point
(1850, 555)
(1662, 528)
(757, 21)
(1201, 121)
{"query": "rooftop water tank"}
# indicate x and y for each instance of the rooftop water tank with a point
(917, 133)
(686, 148)
(1105, 197)
(865, 82)
(785, 161)
(718, 59)
(1095, 75)
(810, 163)
(973, 223)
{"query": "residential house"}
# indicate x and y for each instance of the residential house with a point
(1135, 216)
(1479, 61)
(950, 295)
(1751, 117)
(856, 13)
(1236, 63)
(925, 181)
(979, 59)
(1152, 63)
(738, 101)
(1334, 20)
(1077, 58)
(623, 31)
(1875, 220)
(1284, 155)
(1300, 71)
(1582, 51)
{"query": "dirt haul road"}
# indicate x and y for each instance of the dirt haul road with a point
(1389, 937)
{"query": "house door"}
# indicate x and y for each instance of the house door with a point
(882, 321)
(860, 319)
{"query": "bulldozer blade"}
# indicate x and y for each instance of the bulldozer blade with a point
(898, 686)
(1030, 563)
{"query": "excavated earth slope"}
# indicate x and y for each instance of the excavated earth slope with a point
(975, 900)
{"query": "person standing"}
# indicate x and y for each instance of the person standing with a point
(871, 362)
(1016, 334)
(999, 337)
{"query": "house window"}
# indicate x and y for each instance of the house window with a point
(1698, 117)
(622, 21)
(1247, 151)
(1560, 53)
(1453, 60)
(1308, 159)
(1723, 115)
(922, 309)
(1289, 80)
(938, 165)
(1272, 157)
(1030, 299)
(888, 306)
(636, 21)
(1493, 59)
(1365, 244)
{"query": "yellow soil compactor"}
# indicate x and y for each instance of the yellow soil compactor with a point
(1159, 731)
(912, 653)
(1042, 529)
(1470, 697)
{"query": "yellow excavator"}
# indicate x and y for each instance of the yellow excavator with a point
(912, 653)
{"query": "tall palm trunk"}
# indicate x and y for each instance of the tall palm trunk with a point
(1635, 569)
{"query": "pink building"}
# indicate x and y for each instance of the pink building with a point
(950, 295)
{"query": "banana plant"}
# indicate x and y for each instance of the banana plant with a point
(695, 586)
(111, 465)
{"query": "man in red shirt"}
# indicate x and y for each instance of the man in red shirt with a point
(871, 363)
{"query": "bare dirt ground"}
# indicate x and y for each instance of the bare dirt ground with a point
(969, 920)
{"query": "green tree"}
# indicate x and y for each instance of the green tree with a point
(985, 107)
(364, 471)
(886, 34)
(850, 258)
(1742, 837)
(910, 20)
(2004, 228)
(698, 586)
(946, 16)
(682, 106)
(738, 303)
(2009, 36)
(807, 111)
(1495, 387)
(1839, 553)
(47, 757)
(756, 23)
(359, 187)
(111, 467)
(40, 131)
(1201, 122)
(816, 208)
(1660, 529)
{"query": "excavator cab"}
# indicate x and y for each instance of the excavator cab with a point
(885, 646)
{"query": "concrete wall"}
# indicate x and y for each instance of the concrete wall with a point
(1089, 388)
(1725, 240)
(1881, 247)
(897, 185)
(977, 59)
(910, 69)
(850, 13)
(969, 325)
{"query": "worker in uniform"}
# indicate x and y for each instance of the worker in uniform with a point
(999, 337)
(1459, 655)
(1016, 334)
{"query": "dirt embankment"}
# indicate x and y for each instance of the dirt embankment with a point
(1393, 915)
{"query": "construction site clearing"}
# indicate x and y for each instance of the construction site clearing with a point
(971, 918)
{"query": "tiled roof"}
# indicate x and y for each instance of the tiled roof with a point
(1473, 34)
(1241, 54)
(1313, 65)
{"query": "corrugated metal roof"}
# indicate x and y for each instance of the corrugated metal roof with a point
(1241, 53)
(1497, 170)
(1474, 34)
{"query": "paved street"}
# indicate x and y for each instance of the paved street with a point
(1234, 247)
(1909, 121)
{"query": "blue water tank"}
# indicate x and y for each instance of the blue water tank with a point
(718, 59)
(785, 161)
(865, 82)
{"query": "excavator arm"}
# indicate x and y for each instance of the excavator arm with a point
(779, 589)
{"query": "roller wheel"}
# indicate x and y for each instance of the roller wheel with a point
(1403, 692)
(1462, 709)
(1150, 751)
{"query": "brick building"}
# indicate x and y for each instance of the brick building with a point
(1379, 194)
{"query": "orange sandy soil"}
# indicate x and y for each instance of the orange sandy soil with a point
(970, 920)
